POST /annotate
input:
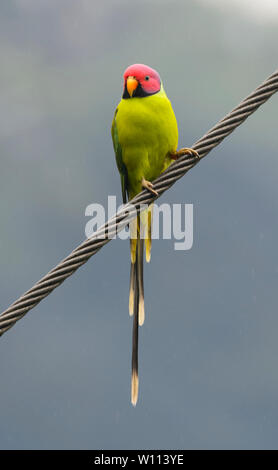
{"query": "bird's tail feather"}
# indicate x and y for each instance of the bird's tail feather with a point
(134, 360)
(136, 290)
(140, 280)
(141, 226)
(136, 307)
(133, 239)
(148, 237)
(132, 287)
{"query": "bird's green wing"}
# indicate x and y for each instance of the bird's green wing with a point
(118, 153)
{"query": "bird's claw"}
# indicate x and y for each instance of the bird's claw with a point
(149, 186)
(185, 151)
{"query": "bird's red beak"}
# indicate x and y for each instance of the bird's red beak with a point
(131, 85)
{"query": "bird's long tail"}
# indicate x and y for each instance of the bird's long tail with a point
(140, 229)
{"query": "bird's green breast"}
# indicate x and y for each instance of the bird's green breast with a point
(147, 133)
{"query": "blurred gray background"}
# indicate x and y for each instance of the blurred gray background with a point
(209, 349)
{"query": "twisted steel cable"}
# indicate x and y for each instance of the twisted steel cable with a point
(89, 247)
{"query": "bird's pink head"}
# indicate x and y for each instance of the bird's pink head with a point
(140, 80)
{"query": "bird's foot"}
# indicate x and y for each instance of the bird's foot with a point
(185, 151)
(149, 186)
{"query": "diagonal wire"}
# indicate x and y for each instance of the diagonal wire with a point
(91, 246)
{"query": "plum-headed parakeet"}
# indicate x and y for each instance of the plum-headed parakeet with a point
(145, 139)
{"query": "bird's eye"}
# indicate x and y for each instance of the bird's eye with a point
(147, 77)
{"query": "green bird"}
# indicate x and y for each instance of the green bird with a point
(145, 139)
